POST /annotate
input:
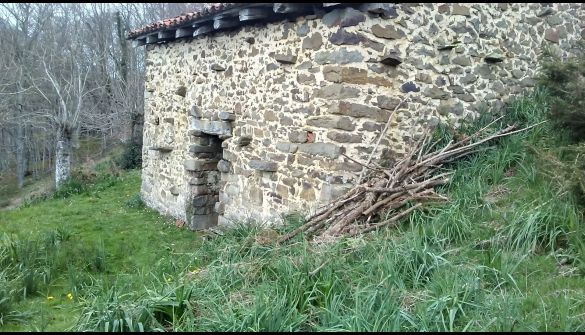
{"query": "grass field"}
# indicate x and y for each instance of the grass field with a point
(506, 253)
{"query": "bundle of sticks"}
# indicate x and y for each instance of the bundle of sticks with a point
(389, 194)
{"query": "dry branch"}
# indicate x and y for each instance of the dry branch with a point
(398, 190)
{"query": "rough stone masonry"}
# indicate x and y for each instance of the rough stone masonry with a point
(252, 122)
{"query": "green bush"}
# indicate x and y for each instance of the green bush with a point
(131, 156)
(565, 81)
(135, 202)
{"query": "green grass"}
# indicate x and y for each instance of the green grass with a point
(104, 239)
(504, 254)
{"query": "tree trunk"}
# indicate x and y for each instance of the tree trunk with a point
(62, 159)
(20, 156)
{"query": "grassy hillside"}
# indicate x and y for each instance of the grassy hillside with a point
(504, 254)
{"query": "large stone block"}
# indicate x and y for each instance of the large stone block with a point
(387, 32)
(200, 165)
(331, 121)
(341, 56)
(212, 127)
(358, 110)
(196, 148)
(344, 137)
(337, 91)
(263, 165)
(287, 147)
(203, 200)
(320, 149)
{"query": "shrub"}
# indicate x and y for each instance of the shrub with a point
(131, 156)
(565, 80)
(135, 202)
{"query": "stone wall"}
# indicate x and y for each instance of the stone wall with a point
(256, 122)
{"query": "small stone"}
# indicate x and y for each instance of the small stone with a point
(546, 11)
(297, 136)
(263, 165)
(227, 116)
(314, 42)
(462, 61)
(387, 32)
(456, 89)
(174, 190)
(217, 67)
(450, 106)
(436, 93)
(250, 40)
(307, 193)
(517, 73)
(303, 29)
(469, 78)
(345, 17)
(386, 102)
(181, 90)
(306, 78)
(392, 59)
(243, 141)
(460, 10)
(443, 9)
(443, 47)
(342, 37)
(527, 82)
(494, 58)
(409, 87)
(368, 43)
(224, 166)
(344, 137)
(551, 35)
(285, 59)
(351, 17)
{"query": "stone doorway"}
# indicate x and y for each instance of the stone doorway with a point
(204, 180)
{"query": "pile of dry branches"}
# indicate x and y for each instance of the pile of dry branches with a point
(398, 190)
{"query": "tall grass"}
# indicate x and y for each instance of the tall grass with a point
(504, 254)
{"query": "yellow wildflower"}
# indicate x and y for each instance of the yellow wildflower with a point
(69, 296)
(50, 298)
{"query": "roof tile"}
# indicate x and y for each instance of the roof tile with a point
(181, 19)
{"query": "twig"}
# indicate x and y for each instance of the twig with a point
(381, 136)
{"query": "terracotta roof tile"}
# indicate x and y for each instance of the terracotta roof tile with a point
(181, 19)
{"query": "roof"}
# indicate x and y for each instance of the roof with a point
(181, 19)
(221, 16)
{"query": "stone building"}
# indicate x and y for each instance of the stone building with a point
(254, 110)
